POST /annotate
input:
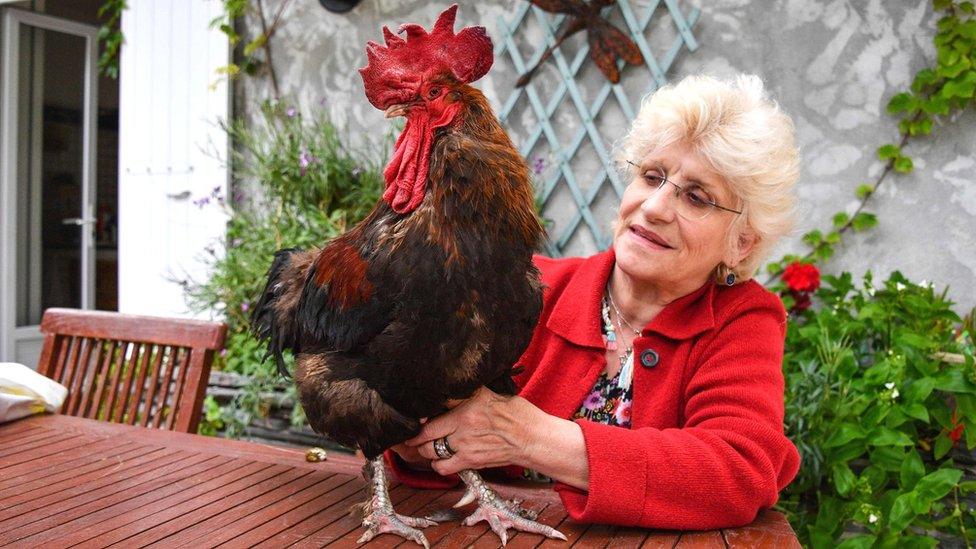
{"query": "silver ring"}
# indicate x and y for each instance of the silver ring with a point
(443, 449)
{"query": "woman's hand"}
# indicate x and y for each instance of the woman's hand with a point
(487, 430)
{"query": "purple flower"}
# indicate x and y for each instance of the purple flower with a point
(305, 159)
(245, 306)
(538, 165)
(291, 112)
(223, 352)
(201, 202)
(594, 402)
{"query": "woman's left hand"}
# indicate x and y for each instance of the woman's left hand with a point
(486, 430)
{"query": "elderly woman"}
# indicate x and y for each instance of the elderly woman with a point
(652, 390)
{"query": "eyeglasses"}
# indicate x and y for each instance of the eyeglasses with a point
(694, 203)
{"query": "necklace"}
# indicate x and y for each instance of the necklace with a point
(610, 339)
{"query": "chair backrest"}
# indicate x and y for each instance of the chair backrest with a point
(139, 370)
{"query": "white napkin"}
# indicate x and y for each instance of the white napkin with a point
(24, 392)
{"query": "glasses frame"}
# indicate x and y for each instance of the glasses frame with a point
(681, 189)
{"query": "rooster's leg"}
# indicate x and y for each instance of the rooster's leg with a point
(500, 514)
(379, 516)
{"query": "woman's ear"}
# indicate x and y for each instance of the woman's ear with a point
(741, 248)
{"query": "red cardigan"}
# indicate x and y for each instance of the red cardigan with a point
(706, 448)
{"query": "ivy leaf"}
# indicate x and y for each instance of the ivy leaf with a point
(840, 219)
(889, 151)
(253, 45)
(905, 102)
(864, 220)
(864, 191)
(903, 164)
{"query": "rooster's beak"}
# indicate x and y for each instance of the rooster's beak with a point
(397, 110)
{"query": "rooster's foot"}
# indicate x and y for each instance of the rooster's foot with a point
(383, 520)
(499, 513)
(379, 516)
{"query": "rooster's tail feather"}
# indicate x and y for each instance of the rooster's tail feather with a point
(273, 318)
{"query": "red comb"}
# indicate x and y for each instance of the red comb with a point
(394, 70)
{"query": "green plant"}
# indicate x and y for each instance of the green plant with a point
(936, 94)
(110, 35)
(876, 413)
(307, 187)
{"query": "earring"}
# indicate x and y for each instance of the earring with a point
(730, 279)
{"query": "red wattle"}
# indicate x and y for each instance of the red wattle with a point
(406, 174)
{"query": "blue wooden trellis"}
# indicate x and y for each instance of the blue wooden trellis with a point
(544, 109)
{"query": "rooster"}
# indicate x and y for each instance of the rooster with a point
(434, 293)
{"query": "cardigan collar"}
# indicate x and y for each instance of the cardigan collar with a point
(576, 313)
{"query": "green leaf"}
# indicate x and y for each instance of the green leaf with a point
(903, 102)
(844, 434)
(840, 219)
(886, 152)
(863, 221)
(936, 485)
(844, 478)
(253, 45)
(864, 191)
(902, 512)
(917, 411)
(884, 436)
(942, 447)
(912, 469)
(953, 381)
(862, 541)
(903, 164)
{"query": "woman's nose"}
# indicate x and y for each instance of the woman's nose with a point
(659, 205)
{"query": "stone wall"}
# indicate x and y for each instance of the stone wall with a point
(831, 64)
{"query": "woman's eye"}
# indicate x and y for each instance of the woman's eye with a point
(434, 92)
(697, 198)
(654, 179)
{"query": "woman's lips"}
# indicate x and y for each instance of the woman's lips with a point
(649, 238)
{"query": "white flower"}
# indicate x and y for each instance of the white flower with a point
(870, 291)
(889, 385)
(899, 286)
(925, 283)
(872, 518)
(894, 394)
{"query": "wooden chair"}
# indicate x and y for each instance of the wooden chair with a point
(138, 370)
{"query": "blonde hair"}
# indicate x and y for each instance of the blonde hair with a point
(742, 135)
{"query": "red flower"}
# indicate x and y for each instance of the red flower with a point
(956, 433)
(801, 301)
(801, 277)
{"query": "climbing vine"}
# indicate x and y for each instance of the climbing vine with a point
(110, 36)
(256, 54)
(935, 95)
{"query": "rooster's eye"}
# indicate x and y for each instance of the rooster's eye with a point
(434, 92)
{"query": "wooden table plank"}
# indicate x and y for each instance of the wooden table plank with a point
(186, 519)
(98, 486)
(99, 505)
(222, 522)
(770, 529)
(67, 481)
(273, 509)
(165, 509)
(55, 489)
(64, 464)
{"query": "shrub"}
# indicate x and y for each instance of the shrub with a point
(876, 408)
(306, 187)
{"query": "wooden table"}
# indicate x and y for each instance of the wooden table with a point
(73, 482)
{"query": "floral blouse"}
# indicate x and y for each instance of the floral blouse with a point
(607, 403)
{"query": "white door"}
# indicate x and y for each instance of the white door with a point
(48, 116)
(171, 151)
